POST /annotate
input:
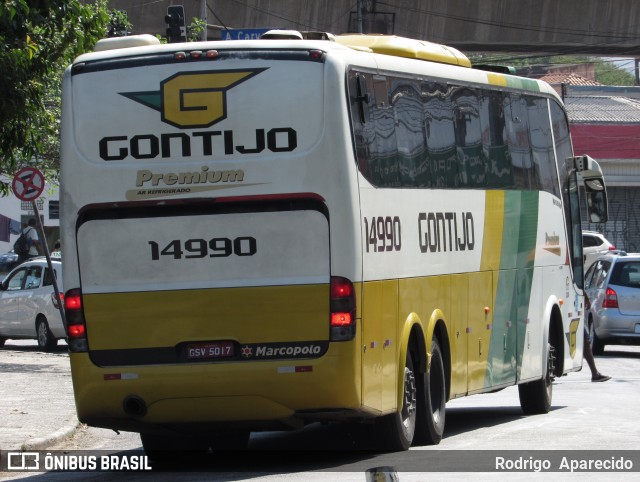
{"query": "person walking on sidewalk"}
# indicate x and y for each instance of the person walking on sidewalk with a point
(596, 376)
(31, 233)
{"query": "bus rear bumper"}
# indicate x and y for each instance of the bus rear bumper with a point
(260, 396)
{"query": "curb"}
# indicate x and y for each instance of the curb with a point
(43, 443)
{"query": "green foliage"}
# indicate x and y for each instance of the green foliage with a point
(607, 73)
(195, 29)
(38, 39)
(119, 24)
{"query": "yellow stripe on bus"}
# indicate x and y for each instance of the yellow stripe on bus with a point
(493, 227)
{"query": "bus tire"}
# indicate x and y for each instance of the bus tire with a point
(395, 431)
(432, 397)
(535, 397)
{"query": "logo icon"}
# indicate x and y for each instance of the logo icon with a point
(23, 461)
(193, 99)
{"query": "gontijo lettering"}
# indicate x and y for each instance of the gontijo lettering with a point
(450, 231)
(206, 143)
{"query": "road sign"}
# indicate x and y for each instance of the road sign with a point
(28, 184)
(243, 33)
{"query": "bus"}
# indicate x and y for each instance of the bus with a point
(264, 234)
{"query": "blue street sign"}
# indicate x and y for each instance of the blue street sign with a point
(243, 33)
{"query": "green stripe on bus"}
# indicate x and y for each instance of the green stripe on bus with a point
(520, 83)
(513, 289)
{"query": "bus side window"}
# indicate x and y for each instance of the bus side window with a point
(383, 163)
(494, 144)
(413, 161)
(441, 140)
(468, 133)
(544, 165)
(517, 127)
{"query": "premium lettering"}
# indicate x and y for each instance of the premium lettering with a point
(204, 176)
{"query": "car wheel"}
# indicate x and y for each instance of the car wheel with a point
(46, 341)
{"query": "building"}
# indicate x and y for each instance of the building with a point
(605, 123)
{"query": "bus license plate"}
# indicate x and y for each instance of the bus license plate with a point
(214, 349)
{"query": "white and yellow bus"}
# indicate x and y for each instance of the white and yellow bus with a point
(264, 234)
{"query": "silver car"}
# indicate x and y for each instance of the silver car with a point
(28, 306)
(612, 285)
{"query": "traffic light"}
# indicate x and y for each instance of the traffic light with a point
(176, 30)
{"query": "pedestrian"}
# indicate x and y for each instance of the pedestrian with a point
(31, 233)
(596, 376)
(56, 253)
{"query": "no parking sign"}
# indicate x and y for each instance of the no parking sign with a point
(28, 184)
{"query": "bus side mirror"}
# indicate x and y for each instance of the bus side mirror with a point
(596, 200)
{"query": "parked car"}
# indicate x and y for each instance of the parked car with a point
(612, 285)
(593, 245)
(8, 261)
(28, 306)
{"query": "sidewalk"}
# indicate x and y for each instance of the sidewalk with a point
(37, 407)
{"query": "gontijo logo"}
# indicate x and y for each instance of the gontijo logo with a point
(193, 99)
(197, 100)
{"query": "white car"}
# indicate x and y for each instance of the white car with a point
(593, 245)
(28, 308)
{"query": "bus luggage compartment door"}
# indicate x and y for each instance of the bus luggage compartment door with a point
(170, 287)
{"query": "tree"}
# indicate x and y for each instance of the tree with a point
(38, 39)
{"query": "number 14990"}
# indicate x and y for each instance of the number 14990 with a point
(201, 248)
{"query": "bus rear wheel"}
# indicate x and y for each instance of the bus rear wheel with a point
(395, 432)
(431, 400)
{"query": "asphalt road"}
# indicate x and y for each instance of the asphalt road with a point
(592, 420)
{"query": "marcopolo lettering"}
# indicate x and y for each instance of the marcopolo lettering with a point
(287, 351)
(204, 176)
(283, 350)
(446, 231)
(204, 143)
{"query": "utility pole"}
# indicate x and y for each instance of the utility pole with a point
(203, 17)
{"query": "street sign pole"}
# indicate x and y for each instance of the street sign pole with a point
(28, 183)
(48, 256)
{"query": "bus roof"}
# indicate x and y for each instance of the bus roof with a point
(388, 46)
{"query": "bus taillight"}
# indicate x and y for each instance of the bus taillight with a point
(343, 309)
(76, 327)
